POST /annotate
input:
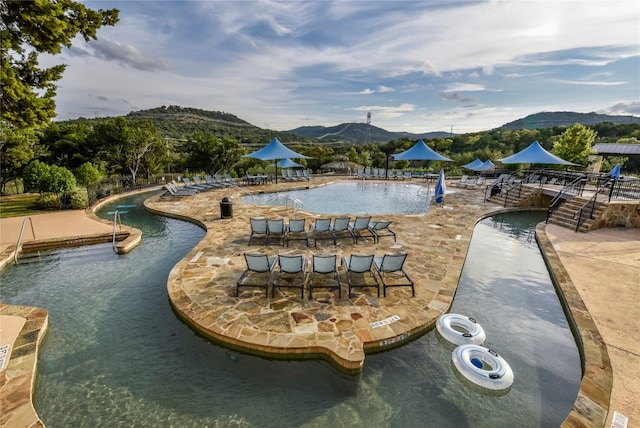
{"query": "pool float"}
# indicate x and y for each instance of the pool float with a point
(482, 366)
(460, 330)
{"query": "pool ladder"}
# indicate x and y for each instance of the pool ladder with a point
(19, 243)
(116, 221)
(294, 202)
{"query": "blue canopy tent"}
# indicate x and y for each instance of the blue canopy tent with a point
(486, 165)
(476, 163)
(273, 151)
(288, 163)
(535, 153)
(420, 151)
(440, 188)
(615, 173)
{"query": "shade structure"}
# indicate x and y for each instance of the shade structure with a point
(615, 172)
(486, 165)
(275, 150)
(535, 153)
(440, 188)
(341, 165)
(473, 164)
(288, 163)
(420, 151)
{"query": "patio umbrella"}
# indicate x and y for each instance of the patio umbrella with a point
(473, 165)
(440, 188)
(273, 151)
(420, 151)
(615, 173)
(535, 153)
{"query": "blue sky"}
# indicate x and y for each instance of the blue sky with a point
(417, 66)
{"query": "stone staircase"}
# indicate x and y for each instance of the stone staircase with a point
(567, 214)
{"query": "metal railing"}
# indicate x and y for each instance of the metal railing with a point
(590, 205)
(574, 188)
(19, 243)
(294, 201)
(116, 221)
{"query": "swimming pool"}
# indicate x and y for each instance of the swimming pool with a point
(116, 354)
(354, 197)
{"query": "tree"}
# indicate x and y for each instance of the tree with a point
(206, 152)
(27, 29)
(88, 174)
(16, 150)
(127, 143)
(575, 144)
(43, 178)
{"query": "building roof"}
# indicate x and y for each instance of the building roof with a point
(617, 149)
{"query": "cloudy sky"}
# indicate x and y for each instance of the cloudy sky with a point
(417, 66)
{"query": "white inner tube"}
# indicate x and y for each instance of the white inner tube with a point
(460, 329)
(482, 366)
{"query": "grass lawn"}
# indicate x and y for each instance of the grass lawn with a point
(19, 205)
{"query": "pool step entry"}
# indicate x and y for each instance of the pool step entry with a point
(83, 253)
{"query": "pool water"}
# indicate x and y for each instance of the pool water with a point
(116, 355)
(354, 197)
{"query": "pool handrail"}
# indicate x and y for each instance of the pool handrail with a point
(19, 243)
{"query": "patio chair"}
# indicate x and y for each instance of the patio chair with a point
(408, 175)
(360, 225)
(326, 269)
(340, 228)
(189, 185)
(381, 228)
(463, 180)
(291, 274)
(300, 175)
(359, 270)
(276, 229)
(296, 231)
(258, 272)
(218, 179)
(478, 182)
(321, 230)
(199, 182)
(258, 229)
(306, 174)
(178, 192)
(391, 271)
(229, 179)
(211, 182)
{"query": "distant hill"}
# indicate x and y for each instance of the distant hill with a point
(358, 133)
(565, 118)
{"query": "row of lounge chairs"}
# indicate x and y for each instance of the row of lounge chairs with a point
(381, 174)
(296, 175)
(290, 271)
(266, 230)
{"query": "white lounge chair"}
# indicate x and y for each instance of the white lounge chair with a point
(258, 273)
(391, 271)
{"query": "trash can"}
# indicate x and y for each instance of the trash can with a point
(226, 208)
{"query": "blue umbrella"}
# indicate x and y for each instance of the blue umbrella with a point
(420, 151)
(473, 165)
(440, 188)
(615, 173)
(535, 153)
(273, 151)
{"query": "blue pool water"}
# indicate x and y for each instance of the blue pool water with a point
(354, 197)
(116, 355)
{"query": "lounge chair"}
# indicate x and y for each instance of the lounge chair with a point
(326, 268)
(258, 273)
(179, 192)
(359, 270)
(300, 175)
(381, 228)
(391, 271)
(321, 230)
(462, 181)
(408, 175)
(478, 182)
(218, 179)
(229, 179)
(258, 229)
(296, 231)
(291, 274)
(360, 225)
(199, 182)
(276, 229)
(211, 182)
(340, 228)
(306, 174)
(189, 185)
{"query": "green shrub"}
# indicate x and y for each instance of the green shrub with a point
(49, 201)
(88, 174)
(79, 198)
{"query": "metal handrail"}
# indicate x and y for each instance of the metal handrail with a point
(592, 200)
(116, 220)
(576, 187)
(294, 201)
(19, 243)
